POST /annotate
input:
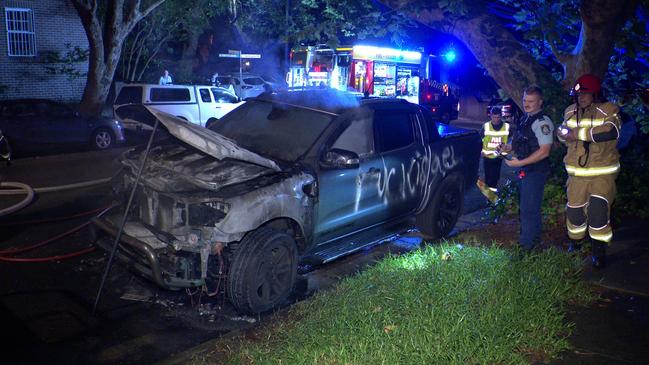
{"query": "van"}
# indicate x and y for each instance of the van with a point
(202, 105)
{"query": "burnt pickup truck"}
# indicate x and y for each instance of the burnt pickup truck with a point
(304, 176)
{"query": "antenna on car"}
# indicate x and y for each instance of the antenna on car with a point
(126, 210)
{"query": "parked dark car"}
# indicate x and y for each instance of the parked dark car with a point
(304, 176)
(37, 126)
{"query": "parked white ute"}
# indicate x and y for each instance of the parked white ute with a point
(202, 105)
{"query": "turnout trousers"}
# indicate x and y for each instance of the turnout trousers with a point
(589, 207)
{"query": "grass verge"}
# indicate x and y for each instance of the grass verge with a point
(443, 304)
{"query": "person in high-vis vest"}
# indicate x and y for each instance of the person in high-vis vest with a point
(494, 133)
(590, 132)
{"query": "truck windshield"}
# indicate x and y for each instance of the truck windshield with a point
(273, 130)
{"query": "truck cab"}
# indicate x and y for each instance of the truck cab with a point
(198, 104)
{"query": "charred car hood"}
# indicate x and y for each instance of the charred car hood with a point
(210, 142)
(178, 167)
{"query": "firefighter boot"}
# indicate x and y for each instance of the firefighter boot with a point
(598, 257)
(575, 246)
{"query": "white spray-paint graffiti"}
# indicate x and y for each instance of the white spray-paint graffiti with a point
(417, 176)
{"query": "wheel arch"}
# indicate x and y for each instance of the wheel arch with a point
(291, 227)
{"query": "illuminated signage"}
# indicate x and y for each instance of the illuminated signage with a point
(386, 54)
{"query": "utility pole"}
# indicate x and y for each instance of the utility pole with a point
(286, 60)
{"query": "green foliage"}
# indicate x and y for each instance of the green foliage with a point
(507, 202)
(632, 198)
(543, 25)
(552, 208)
(446, 304)
(67, 63)
(320, 21)
(554, 203)
(173, 21)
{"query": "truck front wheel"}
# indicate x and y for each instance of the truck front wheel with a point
(263, 270)
(440, 215)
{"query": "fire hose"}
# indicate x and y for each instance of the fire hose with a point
(21, 188)
(5, 255)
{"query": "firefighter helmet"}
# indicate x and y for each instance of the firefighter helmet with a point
(587, 84)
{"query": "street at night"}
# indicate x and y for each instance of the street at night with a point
(360, 182)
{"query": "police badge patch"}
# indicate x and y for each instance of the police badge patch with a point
(545, 129)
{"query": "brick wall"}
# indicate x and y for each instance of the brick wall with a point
(56, 23)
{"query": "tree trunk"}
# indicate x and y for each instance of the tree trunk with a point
(509, 63)
(601, 22)
(105, 39)
(506, 60)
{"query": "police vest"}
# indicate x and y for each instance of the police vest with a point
(492, 138)
(525, 142)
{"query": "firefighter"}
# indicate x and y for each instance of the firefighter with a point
(531, 143)
(494, 133)
(590, 131)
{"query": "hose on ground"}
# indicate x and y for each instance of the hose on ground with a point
(15, 250)
(29, 191)
(22, 189)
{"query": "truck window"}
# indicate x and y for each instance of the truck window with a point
(358, 137)
(129, 95)
(170, 94)
(205, 95)
(221, 96)
(394, 129)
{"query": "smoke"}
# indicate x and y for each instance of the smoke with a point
(325, 99)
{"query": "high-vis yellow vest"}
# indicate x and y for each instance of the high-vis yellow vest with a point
(492, 138)
(585, 157)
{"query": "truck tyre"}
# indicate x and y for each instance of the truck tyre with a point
(210, 122)
(440, 215)
(263, 270)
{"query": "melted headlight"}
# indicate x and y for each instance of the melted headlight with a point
(207, 213)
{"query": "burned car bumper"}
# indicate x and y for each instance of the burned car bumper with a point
(157, 262)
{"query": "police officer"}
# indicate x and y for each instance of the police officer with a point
(531, 144)
(494, 133)
(590, 131)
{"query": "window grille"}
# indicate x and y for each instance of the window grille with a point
(21, 35)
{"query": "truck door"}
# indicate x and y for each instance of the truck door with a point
(349, 199)
(205, 105)
(400, 145)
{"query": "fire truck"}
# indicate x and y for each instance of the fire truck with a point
(377, 72)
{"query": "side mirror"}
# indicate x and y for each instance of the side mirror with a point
(340, 159)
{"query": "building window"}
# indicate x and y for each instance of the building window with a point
(21, 35)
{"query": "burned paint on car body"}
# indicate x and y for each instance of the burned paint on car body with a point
(300, 176)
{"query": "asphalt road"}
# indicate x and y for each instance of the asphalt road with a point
(46, 307)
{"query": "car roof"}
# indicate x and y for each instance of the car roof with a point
(333, 101)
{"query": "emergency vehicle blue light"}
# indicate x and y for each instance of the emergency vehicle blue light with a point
(450, 56)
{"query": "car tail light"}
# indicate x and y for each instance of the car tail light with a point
(433, 109)
(429, 96)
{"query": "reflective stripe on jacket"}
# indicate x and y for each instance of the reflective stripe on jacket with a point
(492, 138)
(585, 157)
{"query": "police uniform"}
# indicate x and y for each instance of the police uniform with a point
(592, 163)
(493, 136)
(532, 131)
